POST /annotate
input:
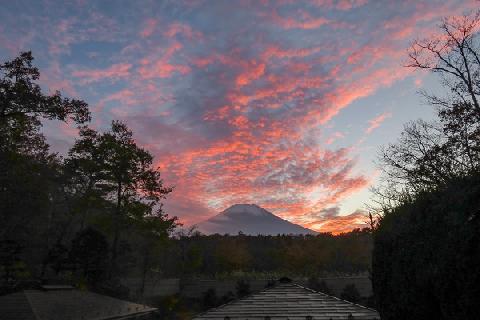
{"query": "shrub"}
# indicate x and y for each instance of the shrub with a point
(320, 286)
(350, 293)
(242, 288)
(210, 299)
(427, 254)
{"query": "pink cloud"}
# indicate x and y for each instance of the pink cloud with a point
(240, 121)
(340, 4)
(177, 28)
(126, 96)
(377, 121)
(148, 28)
(254, 71)
(161, 67)
(335, 136)
(114, 72)
(54, 78)
(306, 21)
(277, 52)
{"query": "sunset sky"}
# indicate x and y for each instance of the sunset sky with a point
(279, 103)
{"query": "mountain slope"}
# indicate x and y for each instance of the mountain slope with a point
(249, 219)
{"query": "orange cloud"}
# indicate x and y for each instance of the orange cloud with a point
(341, 223)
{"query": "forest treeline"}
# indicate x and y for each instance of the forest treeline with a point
(426, 254)
(308, 255)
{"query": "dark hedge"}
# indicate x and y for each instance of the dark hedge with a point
(426, 257)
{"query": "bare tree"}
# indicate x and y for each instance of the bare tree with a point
(455, 55)
(429, 154)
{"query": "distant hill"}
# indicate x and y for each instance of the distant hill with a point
(250, 219)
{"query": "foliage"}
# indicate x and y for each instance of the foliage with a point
(89, 252)
(426, 243)
(121, 172)
(66, 214)
(23, 105)
(271, 256)
(168, 306)
(454, 56)
(11, 265)
(432, 153)
(317, 285)
(427, 253)
(32, 185)
(20, 95)
(242, 288)
(350, 293)
(177, 307)
(227, 297)
(210, 299)
(27, 169)
(232, 253)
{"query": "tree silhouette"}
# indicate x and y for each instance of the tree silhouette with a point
(32, 183)
(454, 55)
(122, 172)
(22, 97)
(429, 154)
(426, 243)
(68, 214)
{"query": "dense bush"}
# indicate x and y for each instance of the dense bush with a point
(350, 293)
(210, 299)
(426, 258)
(321, 286)
(242, 288)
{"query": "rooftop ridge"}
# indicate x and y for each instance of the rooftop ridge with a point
(336, 298)
(42, 305)
(236, 300)
(276, 286)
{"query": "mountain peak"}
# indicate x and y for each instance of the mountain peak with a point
(250, 219)
(243, 208)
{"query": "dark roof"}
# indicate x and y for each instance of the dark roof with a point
(67, 305)
(289, 301)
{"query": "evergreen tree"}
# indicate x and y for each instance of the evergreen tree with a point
(123, 173)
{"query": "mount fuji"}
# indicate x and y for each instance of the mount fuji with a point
(249, 219)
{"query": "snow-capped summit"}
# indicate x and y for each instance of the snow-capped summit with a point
(251, 209)
(249, 219)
